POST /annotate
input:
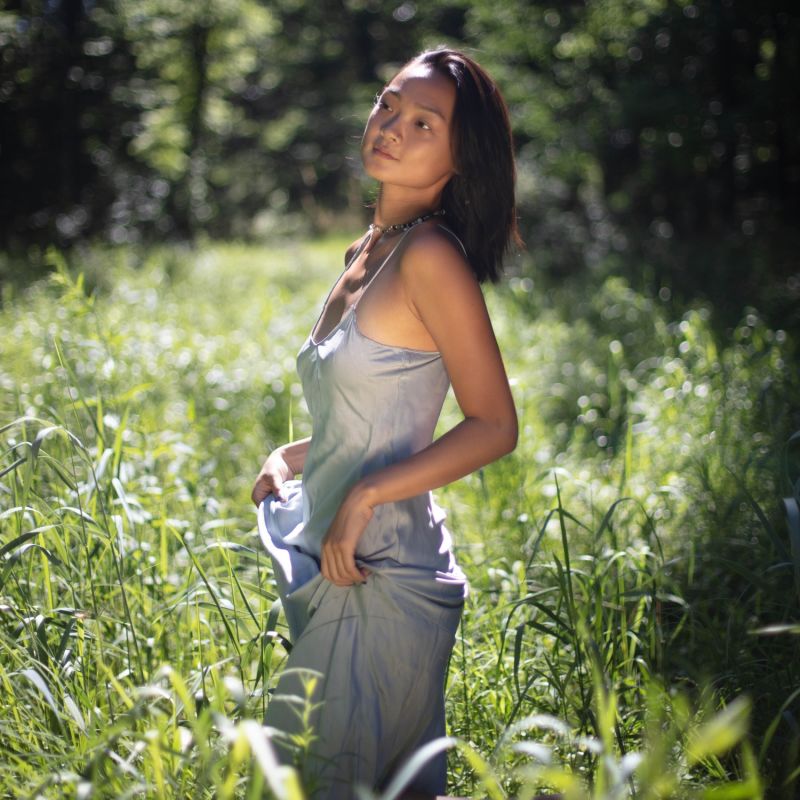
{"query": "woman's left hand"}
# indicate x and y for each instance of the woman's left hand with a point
(339, 545)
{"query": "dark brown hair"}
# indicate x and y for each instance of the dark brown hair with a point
(479, 199)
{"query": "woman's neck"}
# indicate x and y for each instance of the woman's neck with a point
(393, 208)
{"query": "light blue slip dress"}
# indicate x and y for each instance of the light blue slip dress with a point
(382, 647)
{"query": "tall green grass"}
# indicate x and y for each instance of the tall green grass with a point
(632, 625)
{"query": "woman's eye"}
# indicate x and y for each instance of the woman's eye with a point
(380, 102)
(424, 125)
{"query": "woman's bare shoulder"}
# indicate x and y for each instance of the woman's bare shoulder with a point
(435, 253)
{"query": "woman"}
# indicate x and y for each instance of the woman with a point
(371, 591)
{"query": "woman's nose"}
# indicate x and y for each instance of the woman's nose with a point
(390, 128)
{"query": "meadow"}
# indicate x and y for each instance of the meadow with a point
(632, 626)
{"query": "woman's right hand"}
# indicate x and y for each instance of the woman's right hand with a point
(274, 473)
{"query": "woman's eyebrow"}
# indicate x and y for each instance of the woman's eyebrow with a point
(432, 109)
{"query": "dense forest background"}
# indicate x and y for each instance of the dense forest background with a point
(656, 138)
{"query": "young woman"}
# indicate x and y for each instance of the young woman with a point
(370, 589)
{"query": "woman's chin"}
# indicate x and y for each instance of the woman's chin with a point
(374, 167)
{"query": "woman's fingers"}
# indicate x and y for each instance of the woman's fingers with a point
(271, 477)
(337, 571)
(267, 484)
(348, 568)
(331, 570)
(261, 489)
(339, 544)
(339, 565)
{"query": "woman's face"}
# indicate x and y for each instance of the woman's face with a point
(407, 140)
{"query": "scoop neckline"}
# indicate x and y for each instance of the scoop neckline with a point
(351, 313)
(363, 290)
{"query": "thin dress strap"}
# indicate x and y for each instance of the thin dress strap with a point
(313, 337)
(375, 274)
(460, 243)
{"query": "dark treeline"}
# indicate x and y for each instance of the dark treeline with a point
(657, 138)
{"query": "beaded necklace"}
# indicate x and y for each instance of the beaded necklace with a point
(404, 226)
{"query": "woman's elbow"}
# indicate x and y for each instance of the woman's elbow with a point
(507, 435)
(497, 435)
(512, 434)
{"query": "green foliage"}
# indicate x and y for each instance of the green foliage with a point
(647, 134)
(655, 137)
(631, 628)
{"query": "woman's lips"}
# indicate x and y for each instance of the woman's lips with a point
(383, 154)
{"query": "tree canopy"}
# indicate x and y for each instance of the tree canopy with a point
(657, 137)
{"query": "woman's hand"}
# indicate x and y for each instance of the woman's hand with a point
(339, 544)
(270, 480)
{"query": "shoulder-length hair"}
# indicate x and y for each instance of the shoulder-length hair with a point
(479, 199)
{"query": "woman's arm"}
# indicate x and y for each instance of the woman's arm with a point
(282, 465)
(442, 292)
